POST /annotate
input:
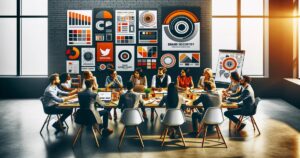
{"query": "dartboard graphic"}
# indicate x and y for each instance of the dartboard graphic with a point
(168, 60)
(147, 19)
(88, 56)
(102, 67)
(125, 56)
(230, 64)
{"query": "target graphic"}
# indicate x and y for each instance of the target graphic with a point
(88, 56)
(147, 19)
(181, 30)
(102, 67)
(168, 60)
(73, 53)
(230, 64)
(125, 56)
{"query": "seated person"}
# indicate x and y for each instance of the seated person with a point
(211, 98)
(245, 99)
(207, 77)
(66, 82)
(113, 80)
(131, 99)
(51, 98)
(139, 80)
(87, 75)
(184, 80)
(172, 101)
(87, 99)
(234, 86)
(161, 80)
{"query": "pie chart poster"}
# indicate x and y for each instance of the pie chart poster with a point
(180, 29)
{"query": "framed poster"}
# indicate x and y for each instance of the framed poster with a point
(105, 52)
(125, 27)
(147, 52)
(103, 25)
(125, 58)
(149, 36)
(229, 61)
(79, 27)
(189, 59)
(181, 29)
(88, 57)
(147, 19)
(72, 66)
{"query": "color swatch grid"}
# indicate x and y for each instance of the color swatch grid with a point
(147, 63)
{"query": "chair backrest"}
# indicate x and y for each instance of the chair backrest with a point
(44, 108)
(85, 117)
(173, 117)
(213, 116)
(131, 117)
(257, 100)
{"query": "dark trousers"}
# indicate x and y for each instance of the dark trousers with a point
(196, 119)
(230, 114)
(104, 114)
(66, 112)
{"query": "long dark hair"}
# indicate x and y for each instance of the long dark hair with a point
(63, 77)
(172, 97)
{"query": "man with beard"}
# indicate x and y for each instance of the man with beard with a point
(51, 98)
(245, 99)
(161, 80)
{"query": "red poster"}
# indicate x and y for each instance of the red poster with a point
(105, 52)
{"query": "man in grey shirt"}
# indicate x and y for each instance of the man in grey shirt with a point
(51, 98)
(131, 99)
(211, 98)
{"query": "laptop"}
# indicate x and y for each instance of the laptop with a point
(105, 96)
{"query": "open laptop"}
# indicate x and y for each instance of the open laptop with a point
(105, 96)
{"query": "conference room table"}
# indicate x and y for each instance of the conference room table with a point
(152, 100)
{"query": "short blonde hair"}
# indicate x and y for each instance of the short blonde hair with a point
(209, 72)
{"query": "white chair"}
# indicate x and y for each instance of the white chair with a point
(131, 117)
(173, 118)
(213, 116)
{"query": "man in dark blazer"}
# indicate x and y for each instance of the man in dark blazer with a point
(245, 99)
(87, 99)
(211, 98)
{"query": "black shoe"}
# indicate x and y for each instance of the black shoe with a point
(193, 134)
(100, 126)
(56, 125)
(241, 127)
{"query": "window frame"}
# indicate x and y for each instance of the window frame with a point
(19, 18)
(265, 18)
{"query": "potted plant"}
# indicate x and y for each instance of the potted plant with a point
(147, 91)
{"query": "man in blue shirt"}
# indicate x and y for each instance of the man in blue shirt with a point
(113, 80)
(51, 98)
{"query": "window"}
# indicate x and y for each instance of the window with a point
(240, 24)
(24, 40)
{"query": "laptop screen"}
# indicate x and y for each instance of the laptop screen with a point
(105, 96)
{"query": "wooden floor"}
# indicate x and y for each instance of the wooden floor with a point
(21, 120)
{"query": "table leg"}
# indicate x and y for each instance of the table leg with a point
(115, 114)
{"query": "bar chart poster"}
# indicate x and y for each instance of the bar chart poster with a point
(79, 27)
(125, 27)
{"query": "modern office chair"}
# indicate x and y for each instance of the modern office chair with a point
(213, 116)
(173, 118)
(48, 118)
(85, 117)
(243, 118)
(131, 118)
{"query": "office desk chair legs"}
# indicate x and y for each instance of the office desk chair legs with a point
(123, 134)
(48, 118)
(79, 133)
(241, 119)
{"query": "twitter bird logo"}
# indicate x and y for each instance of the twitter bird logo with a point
(104, 52)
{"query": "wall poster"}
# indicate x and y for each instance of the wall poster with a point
(181, 29)
(125, 58)
(189, 59)
(125, 21)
